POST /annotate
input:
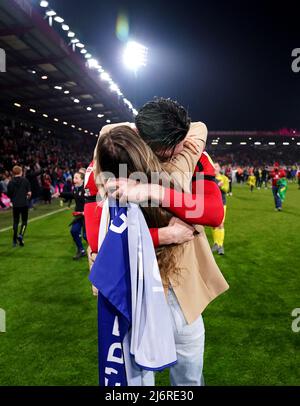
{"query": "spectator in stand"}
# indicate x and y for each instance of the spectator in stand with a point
(32, 175)
(46, 188)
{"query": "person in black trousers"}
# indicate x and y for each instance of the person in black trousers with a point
(77, 225)
(19, 192)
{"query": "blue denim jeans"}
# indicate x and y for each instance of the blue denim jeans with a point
(277, 199)
(189, 341)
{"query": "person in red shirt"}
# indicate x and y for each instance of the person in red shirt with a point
(275, 175)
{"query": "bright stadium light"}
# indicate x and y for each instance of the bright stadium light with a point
(59, 19)
(113, 87)
(135, 55)
(66, 91)
(100, 115)
(50, 13)
(71, 34)
(105, 76)
(87, 56)
(45, 77)
(17, 105)
(108, 121)
(93, 63)
(45, 115)
(65, 27)
(79, 45)
(32, 110)
(76, 101)
(89, 109)
(83, 51)
(58, 87)
(44, 4)
(135, 112)
(74, 41)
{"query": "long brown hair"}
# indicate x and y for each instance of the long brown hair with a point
(122, 145)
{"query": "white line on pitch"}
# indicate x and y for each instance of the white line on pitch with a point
(36, 218)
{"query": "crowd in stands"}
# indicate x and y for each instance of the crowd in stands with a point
(48, 160)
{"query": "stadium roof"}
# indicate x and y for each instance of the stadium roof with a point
(47, 82)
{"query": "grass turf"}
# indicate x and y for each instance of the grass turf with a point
(51, 336)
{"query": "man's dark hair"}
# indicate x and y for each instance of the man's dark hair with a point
(163, 124)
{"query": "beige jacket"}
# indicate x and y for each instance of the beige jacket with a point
(200, 280)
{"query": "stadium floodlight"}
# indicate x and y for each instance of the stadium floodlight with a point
(76, 101)
(65, 27)
(128, 103)
(86, 131)
(257, 143)
(44, 4)
(45, 115)
(92, 63)
(105, 76)
(56, 119)
(83, 51)
(271, 143)
(285, 143)
(45, 77)
(58, 87)
(135, 112)
(214, 143)
(59, 19)
(100, 115)
(66, 91)
(298, 143)
(65, 123)
(71, 34)
(32, 111)
(74, 41)
(89, 109)
(135, 55)
(87, 56)
(108, 121)
(17, 105)
(92, 133)
(228, 143)
(50, 13)
(243, 143)
(79, 45)
(79, 129)
(113, 87)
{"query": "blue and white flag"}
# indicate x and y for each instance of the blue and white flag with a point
(132, 309)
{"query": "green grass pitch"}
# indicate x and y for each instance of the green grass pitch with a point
(51, 329)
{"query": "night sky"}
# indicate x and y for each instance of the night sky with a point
(228, 62)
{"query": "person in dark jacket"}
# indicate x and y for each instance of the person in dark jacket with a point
(19, 191)
(32, 176)
(77, 225)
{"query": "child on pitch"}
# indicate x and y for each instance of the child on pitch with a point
(218, 233)
(251, 180)
(77, 225)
